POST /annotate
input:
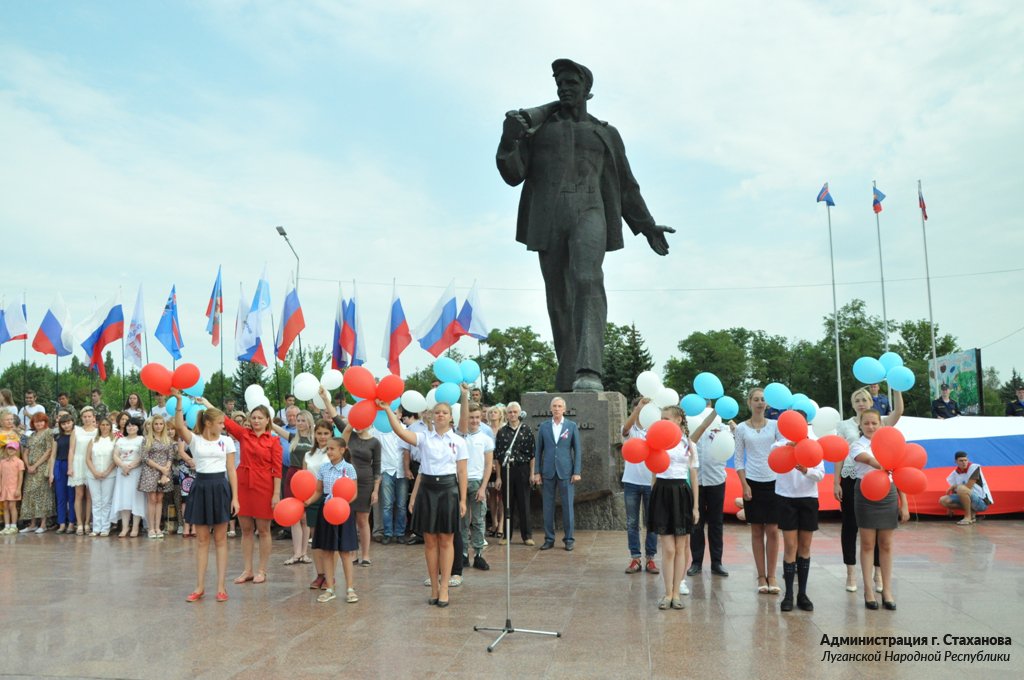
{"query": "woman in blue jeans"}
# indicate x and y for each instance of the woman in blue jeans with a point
(59, 474)
(636, 489)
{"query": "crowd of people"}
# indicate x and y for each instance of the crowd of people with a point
(440, 478)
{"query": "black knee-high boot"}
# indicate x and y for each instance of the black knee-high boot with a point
(803, 568)
(788, 571)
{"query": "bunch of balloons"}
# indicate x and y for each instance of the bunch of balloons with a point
(905, 461)
(289, 511)
(185, 378)
(888, 367)
(661, 436)
(451, 374)
(823, 420)
(255, 396)
(360, 383)
(801, 450)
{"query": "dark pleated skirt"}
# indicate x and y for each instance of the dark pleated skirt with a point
(763, 507)
(437, 505)
(671, 509)
(209, 501)
(335, 537)
(883, 514)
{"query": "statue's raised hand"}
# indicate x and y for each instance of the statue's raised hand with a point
(515, 126)
(656, 237)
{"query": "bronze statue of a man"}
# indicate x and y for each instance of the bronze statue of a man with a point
(577, 189)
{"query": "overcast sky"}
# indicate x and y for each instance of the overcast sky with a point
(152, 142)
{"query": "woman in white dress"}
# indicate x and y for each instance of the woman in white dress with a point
(77, 478)
(128, 500)
(101, 476)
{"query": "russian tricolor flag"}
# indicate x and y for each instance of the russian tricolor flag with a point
(54, 334)
(215, 310)
(13, 323)
(249, 341)
(876, 203)
(292, 323)
(470, 319)
(339, 360)
(441, 329)
(396, 333)
(105, 326)
(352, 330)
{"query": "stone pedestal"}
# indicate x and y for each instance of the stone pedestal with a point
(600, 416)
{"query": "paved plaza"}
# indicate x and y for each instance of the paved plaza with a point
(109, 608)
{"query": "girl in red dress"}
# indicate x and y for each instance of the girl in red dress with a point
(259, 486)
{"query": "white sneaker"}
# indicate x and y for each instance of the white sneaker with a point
(41, 530)
(26, 530)
(683, 588)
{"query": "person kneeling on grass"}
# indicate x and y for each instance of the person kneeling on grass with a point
(967, 489)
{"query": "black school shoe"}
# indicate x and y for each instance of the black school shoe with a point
(480, 563)
(804, 603)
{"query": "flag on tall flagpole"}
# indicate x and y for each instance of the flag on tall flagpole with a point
(13, 323)
(825, 196)
(292, 323)
(352, 331)
(441, 329)
(920, 202)
(470, 320)
(135, 338)
(168, 329)
(240, 319)
(103, 327)
(339, 359)
(215, 311)
(249, 343)
(396, 333)
(876, 203)
(54, 334)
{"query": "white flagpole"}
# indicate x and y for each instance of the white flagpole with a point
(881, 270)
(928, 281)
(835, 314)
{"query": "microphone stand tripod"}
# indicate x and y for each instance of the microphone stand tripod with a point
(508, 628)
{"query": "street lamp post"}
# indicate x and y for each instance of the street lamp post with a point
(284, 235)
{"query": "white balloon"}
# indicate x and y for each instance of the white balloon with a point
(305, 386)
(262, 401)
(456, 412)
(414, 402)
(431, 399)
(826, 421)
(649, 415)
(332, 379)
(722, 446)
(648, 383)
(318, 401)
(693, 423)
(252, 394)
(666, 396)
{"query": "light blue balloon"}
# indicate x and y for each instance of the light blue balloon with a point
(197, 389)
(708, 385)
(693, 405)
(381, 422)
(448, 393)
(192, 415)
(868, 370)
(172, 405)
(470, 370)
(803, 403)
(447, 371)
(890, 360)
(901, 378)
(727, 408)
(778, 396)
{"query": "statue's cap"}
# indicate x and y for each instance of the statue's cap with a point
(559, 65)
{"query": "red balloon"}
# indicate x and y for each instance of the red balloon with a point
(888, 447)
(875, 485)
(658, 460)
(362, 414)
(303, 485)
(337, 511)
(289, 511)
(635, 450)
(808, 453)
(793, 426)
(344, 488)
(390, 388)
(185, 376)
(157, 378)
(910, 480)
(359, 381)
(782, 459)
(664, 435)
(914, 456)
(834, 448)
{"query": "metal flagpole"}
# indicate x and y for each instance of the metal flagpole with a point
(835, 314)
(928, 281)
(24, 349)
(122, 352)
(277, 380)
(881, 270)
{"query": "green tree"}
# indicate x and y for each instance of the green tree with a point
(248, 373)
(723, 353)
(517, 361)
(625, 357)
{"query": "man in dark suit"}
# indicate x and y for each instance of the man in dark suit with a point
(559, 460)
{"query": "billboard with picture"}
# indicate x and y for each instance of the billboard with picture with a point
(962, 372)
